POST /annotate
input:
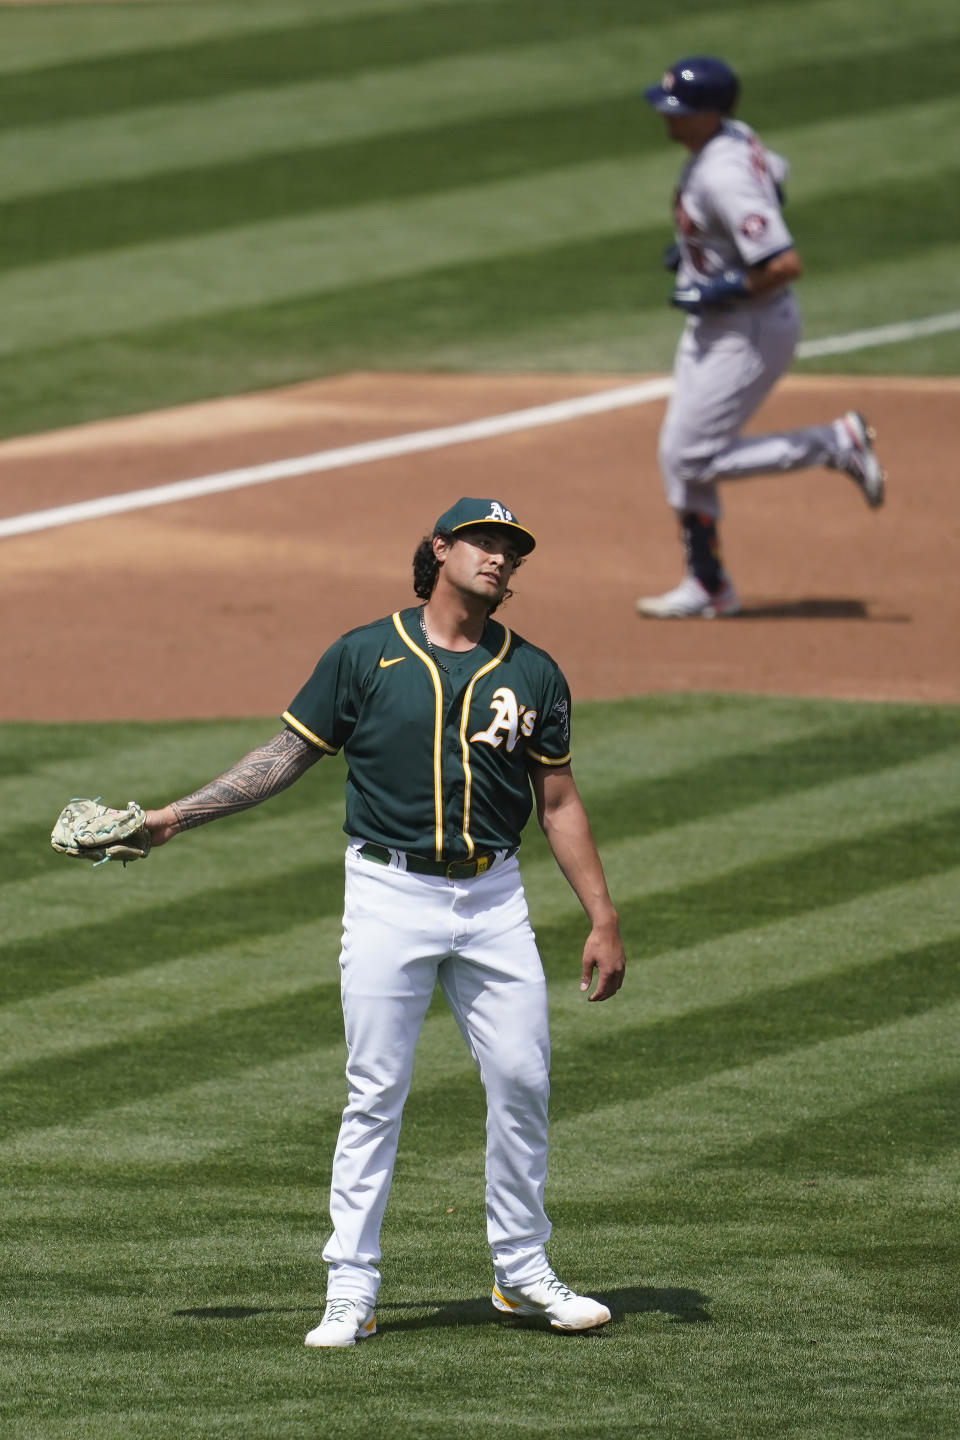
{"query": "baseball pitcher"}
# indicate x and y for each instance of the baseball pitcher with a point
(452, 727)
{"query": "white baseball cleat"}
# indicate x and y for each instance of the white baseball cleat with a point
(690, 599)
(344, 1323)
(553, 1301)
(857, 458)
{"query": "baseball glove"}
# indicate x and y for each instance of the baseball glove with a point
(90, 830)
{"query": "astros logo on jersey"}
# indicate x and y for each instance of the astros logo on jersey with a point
(509, 717)
(753, 226)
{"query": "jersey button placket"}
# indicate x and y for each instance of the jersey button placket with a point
(453, 780)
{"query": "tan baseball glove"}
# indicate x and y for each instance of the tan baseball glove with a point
(90, 830)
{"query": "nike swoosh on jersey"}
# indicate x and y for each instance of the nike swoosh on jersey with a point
(385, 664)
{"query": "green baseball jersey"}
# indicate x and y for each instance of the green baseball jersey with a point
(438, 764)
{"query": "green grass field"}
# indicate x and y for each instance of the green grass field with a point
(209, 197)
(754, 1152)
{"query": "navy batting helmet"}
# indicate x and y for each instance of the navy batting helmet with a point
(699, 82)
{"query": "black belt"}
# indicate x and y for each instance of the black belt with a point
(451, 869)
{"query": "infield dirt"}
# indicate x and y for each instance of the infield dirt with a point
(220, 606)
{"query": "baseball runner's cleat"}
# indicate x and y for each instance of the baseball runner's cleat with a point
(858, 460)
(690, 600)
(344, 1323)
(549, 1298)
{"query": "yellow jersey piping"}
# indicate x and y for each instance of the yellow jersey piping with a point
(437, 735)
(464, 742)
(308, 734)
(548, 759)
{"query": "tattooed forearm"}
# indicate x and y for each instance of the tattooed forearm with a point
(263, 773)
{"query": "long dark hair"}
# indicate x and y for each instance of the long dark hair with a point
(426, 567)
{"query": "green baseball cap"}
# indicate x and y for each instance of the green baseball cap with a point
(468, 513)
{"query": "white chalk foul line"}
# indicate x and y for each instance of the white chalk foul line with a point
(362, 454)
(422, 440)
(880, 335)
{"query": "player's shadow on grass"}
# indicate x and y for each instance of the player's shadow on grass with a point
(683, 1307)
(816, 608)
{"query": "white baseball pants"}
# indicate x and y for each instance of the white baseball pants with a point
(727, 362)
(402, 933)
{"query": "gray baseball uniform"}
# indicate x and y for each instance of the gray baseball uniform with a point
(735, 260)
(727, 215)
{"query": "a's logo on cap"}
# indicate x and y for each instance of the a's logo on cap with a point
(500, 512)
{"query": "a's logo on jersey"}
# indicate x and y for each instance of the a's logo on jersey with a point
(500, 512)
(753, 226)
(509, 722)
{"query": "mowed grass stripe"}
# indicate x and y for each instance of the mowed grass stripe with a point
(290, 1113)
(667, 921)
(854, 812)
(724, 969)
(214, 917)
(185, 1122)
(48, 752)
(897, 221)
(324, 177)
(860, 745)
(61, 1090)
(702, 852)
(872, 744)
(173, 1128)
(314, 48)
(253, 847)
(719, 971)
(792, 885)
(104, 1010)
(640, 1061)
(697, 850)
(455, 90)
(912, 290)
(146, 285)
(58, 758)
(440, 321)
(315, 178)
(93, 32)
(441, 318)
(646, 1060)
(410, 323)
(902, 1128)
(643, 1060)
(653, 735)
(644, 341)
(244, 849)
(701, 1124)
(256, 126)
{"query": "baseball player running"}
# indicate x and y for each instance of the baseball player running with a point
(447, 721)
(735, 260)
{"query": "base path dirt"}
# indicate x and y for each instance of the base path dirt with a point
(220, 606)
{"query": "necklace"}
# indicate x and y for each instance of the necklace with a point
(426, 638)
